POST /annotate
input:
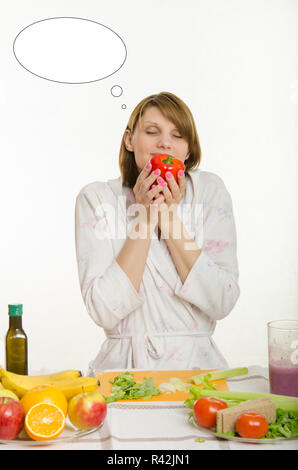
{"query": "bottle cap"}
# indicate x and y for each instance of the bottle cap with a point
(15, 310)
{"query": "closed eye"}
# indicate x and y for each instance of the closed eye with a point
(152, 133)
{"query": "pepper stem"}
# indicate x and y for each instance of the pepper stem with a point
(168, 161)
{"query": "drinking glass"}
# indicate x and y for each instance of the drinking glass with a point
(283, 357)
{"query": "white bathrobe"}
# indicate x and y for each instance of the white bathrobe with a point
(167, 324)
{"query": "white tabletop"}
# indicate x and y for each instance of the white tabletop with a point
(162, 425)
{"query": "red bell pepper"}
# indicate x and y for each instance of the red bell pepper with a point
(166, 163)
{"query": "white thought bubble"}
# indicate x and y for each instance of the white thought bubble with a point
(69, 50)
(116, 90)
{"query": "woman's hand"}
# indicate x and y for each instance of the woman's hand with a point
(173, 192)
(146, 196)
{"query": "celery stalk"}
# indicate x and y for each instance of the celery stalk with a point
(217, 375)
(284, 402)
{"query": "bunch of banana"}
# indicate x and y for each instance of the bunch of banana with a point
(4, 393)
(70, 382)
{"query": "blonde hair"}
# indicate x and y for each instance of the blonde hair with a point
(176, 111)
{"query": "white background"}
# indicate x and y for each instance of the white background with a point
(235, 63)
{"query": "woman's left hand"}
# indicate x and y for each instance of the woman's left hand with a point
(173, 192)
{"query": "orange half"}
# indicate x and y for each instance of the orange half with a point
(44, 422)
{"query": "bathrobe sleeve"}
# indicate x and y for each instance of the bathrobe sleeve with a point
(212, 283)
(108, 293)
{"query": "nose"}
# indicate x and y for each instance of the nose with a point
(164, 143)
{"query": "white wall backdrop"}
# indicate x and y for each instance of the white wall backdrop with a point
(235, 63)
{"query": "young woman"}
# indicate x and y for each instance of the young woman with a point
(157, 258)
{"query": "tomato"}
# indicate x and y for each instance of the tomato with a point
(205, 409)
(252, 425)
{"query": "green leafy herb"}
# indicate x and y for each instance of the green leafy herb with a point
(189, 402)
(124, 387)
(286, 425)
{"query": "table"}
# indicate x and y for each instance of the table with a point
(162, 425)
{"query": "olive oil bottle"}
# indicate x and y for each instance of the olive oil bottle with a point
(16, 342)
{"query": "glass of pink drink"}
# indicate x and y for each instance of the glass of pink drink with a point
(283, 357)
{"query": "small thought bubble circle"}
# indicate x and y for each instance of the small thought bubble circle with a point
(116, 90)
(69, 50)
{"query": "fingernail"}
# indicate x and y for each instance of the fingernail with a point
(161, 181)
(153, 186)
(156, 172)
(169, 175)
(148, 165)
(180, 172)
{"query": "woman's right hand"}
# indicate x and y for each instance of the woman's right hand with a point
(146, 196)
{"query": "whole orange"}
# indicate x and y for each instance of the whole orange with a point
(44, 394)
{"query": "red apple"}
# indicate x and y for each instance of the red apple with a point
(87, 410)
(11, 417)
